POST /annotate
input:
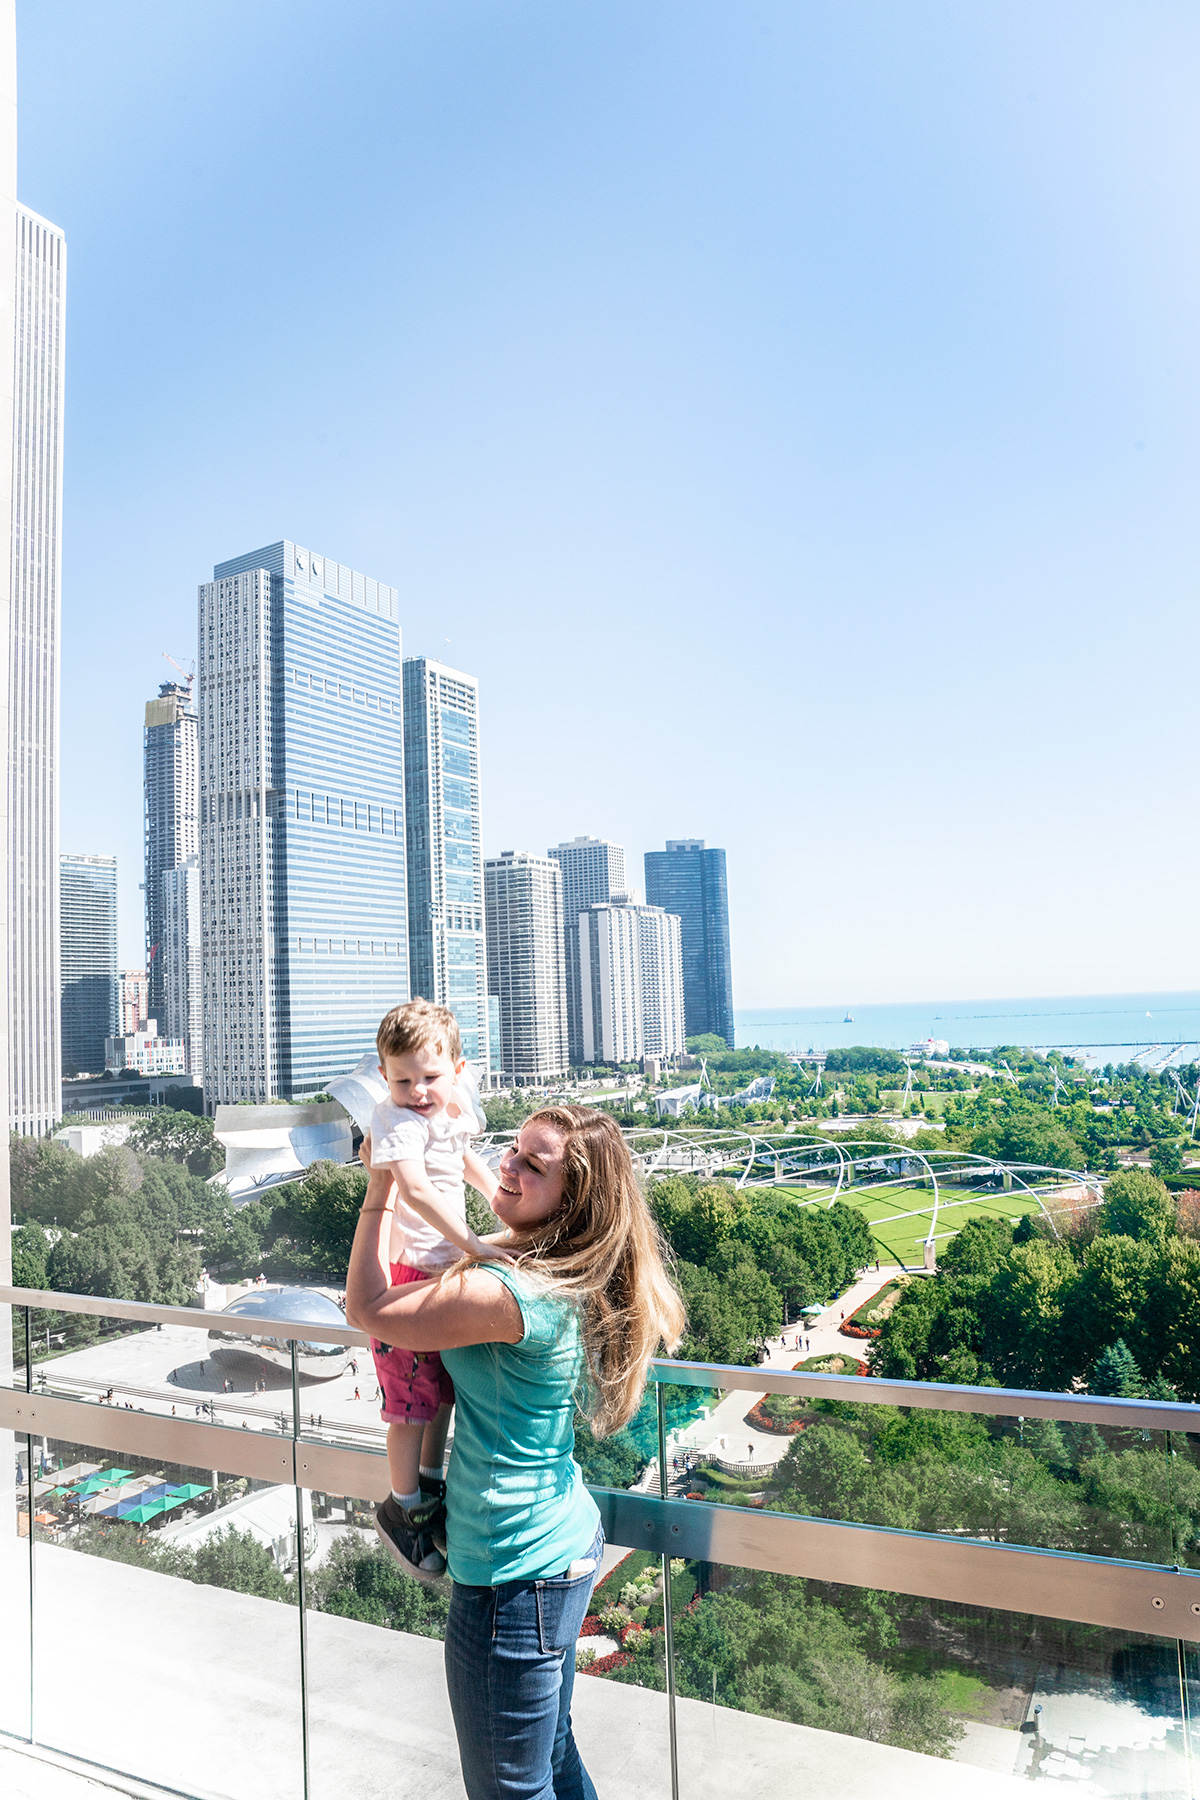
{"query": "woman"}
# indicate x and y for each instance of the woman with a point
(574, 1318)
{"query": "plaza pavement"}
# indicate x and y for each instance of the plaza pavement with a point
(724, 1430)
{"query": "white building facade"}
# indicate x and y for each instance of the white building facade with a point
(183, 968)
(660, 937)
(145, 1053)
(592, 870)
(609, 953)
(631, 982)
(527, 964)
(35, 1050)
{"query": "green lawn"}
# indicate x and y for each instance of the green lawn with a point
(899, 1214)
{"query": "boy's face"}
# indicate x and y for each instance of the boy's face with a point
(420, 1079)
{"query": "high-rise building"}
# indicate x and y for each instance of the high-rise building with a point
(88, 899)
(524, 928)
(183, 978)
(133, 997)
(610, 983)
(689, 879)
(35, 1097)
(304, 909)
(171, 789)
(447, 958)
(660, 939)
(592, 870)
(631, 982)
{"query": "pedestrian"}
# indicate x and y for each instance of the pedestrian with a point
(357, 1395)
(586, 1291)
(749, 1452)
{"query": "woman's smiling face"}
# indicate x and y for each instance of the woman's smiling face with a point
(531, 1187)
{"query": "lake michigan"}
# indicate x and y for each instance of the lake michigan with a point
(1104, 1027)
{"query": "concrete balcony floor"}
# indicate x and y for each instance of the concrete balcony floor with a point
(197, 1689)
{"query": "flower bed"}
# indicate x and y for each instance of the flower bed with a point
(821, 1365)
(603, 1665)
(591, 1627)
(851, 1330)
(762, 1421)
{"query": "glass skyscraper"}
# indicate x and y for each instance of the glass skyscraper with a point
(90, 988)
(303, 896)
(689, 879)
(447, 960)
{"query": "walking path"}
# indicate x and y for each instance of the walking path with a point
(724, 1430)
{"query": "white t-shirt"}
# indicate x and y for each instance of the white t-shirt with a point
(439, 1141)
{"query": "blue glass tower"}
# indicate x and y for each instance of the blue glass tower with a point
(302, 842)
(689, 879)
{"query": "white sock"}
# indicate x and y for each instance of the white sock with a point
(407, 1500)
(431, 1474)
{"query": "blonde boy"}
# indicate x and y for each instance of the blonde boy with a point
(420, 1159)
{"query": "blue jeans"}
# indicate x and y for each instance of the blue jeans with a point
(510, 1670)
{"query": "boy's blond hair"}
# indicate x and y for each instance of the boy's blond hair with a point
(416, 1024)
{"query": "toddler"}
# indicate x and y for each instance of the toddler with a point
(420, 1158)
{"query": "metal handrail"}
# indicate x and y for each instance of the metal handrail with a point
(935, 1396)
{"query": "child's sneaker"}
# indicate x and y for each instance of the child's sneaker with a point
(407, 1536)
(436, 1490)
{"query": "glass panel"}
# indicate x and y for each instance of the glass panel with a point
(909, 1688)
(166, 1630)
(15, 1547)
(379, 1719)
(220, 1376)
(1051, 1484)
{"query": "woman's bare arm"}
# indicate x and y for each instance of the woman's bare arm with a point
(469, 1308)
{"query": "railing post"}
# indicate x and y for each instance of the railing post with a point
(28, 1311)
(668, 1621)
(301, 1594)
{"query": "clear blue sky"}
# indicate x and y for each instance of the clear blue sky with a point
(788, 410)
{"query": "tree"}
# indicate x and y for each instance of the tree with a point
(705, 1043)
(325, 1205)
(29, 1248)
(182, 1137)
(236, 1559)
(1166, 1158)
(1137, 1205)
(1116, 1372)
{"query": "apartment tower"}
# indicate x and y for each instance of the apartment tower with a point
(35, 1061)
(592, 870)
(304, 912)
(688, 879)
(631, 982)
(524, 928)
(90, 988)
(447, 957)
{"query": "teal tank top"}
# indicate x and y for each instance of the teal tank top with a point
(517, 1509)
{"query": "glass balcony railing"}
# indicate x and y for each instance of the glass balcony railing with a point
(812, 1581)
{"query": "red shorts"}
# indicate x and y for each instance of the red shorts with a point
(413, 1382)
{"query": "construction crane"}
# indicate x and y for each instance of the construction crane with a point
(189, 674)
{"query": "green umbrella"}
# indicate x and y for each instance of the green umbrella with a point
(189, 1490)
(141, 1515)
(102, 1479)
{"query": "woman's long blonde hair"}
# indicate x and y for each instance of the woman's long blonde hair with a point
(603, 1251)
